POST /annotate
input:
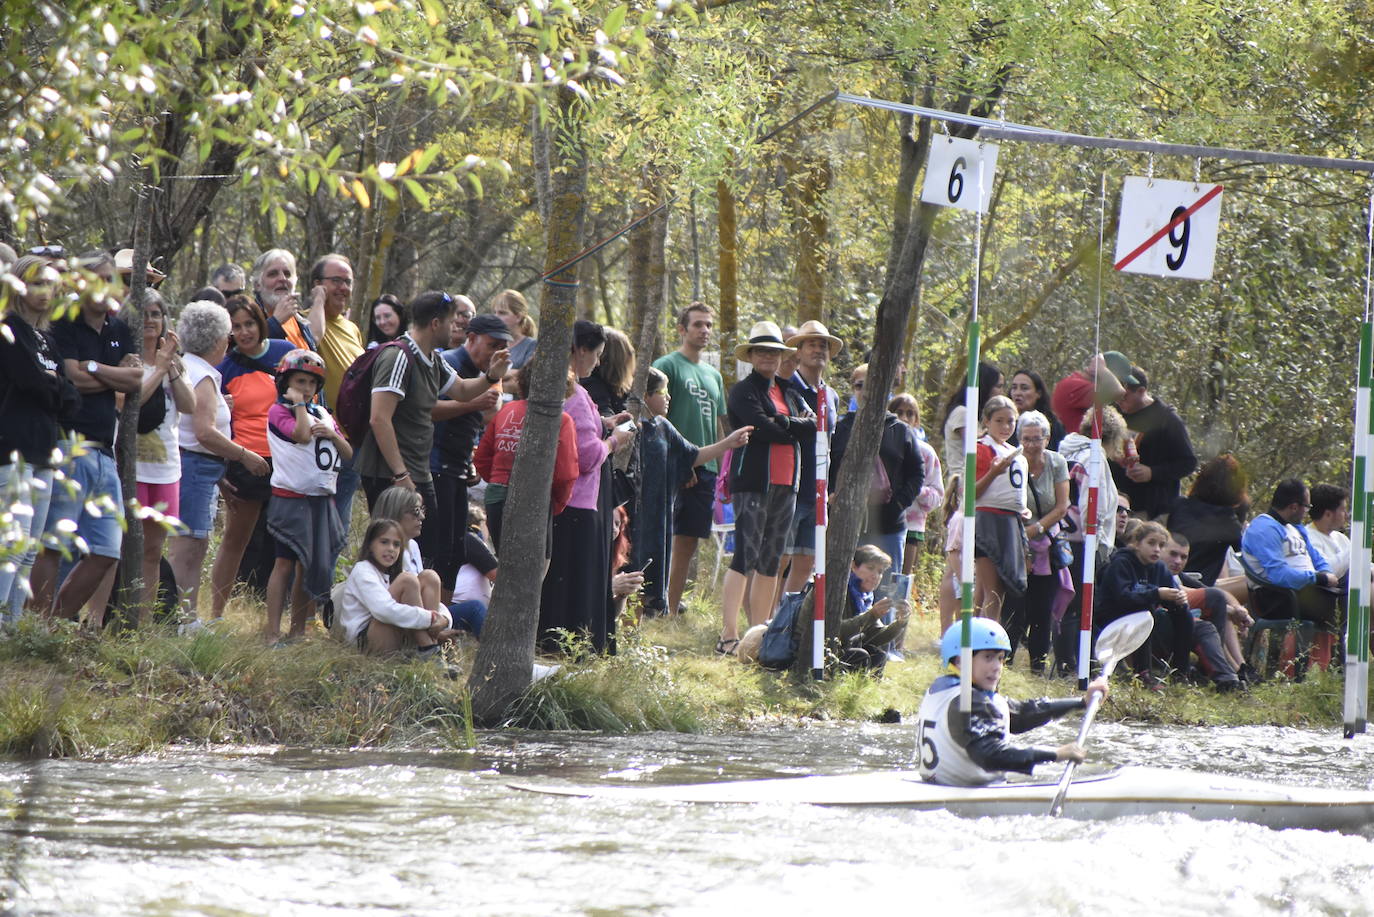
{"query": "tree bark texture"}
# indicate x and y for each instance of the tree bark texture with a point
(727, 281)
(808, 180)
(505, 658)
(129, 586)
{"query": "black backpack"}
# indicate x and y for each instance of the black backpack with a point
(779, 648)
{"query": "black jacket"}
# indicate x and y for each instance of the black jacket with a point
(1210, 529)
(901, 459)
(750, 406)
(31, 400)
(1165, 447)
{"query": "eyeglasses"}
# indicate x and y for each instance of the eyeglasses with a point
(857, 384)
(465, 316)
(228, 293)
(1123, 511)
(418, 512)
(341, 281)
(48, 251)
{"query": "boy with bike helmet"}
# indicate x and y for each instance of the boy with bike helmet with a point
(307, 449)
(976, 754)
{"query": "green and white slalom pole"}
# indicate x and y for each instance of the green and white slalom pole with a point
(970, 472)
(1356, 706)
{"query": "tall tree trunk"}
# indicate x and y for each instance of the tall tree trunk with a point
(505, 658)
(647, 284)
(851, 502)
(808, 180)
(129, 588)
(727, 281)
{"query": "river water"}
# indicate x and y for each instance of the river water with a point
(287, 832)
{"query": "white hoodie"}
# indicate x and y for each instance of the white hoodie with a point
(1077, 448)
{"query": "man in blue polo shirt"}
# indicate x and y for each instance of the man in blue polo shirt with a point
(101, 357)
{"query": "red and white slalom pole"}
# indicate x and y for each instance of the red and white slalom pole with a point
(822, 476)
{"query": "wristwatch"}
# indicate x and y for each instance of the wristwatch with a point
(92, 366)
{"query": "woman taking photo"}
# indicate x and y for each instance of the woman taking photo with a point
(511, 308)
(248, 372)
(34, 394)
(203, 436)
(165, 394)
(577, 587)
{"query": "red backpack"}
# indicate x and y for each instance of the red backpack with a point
(353, 409)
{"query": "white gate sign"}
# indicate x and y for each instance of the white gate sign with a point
(1168, 228)
(952, 174)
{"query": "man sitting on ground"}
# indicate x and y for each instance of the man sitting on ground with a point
(1215, 619)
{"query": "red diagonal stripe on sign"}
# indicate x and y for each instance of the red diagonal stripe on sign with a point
(1202, 202)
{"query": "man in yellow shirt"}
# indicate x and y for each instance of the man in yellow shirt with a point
(341, 342)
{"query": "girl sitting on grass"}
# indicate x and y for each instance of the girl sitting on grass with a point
(382, 610)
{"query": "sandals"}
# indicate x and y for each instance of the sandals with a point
(726, 647)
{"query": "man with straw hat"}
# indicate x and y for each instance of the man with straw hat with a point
(816, 347)
(764, 476)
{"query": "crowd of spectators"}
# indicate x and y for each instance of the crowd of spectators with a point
(246, 390)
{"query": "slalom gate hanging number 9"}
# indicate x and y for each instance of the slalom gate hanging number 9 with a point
(952, 173)
(1168, 228)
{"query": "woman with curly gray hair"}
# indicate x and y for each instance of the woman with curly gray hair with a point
(203, 437)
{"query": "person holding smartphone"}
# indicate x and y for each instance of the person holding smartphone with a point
(999, 539)
(158, 470)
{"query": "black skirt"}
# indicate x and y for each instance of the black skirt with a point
(577, 586)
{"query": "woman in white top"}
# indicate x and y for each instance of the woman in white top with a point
(407, 509)
(159, 464)
(203, 436)
(381, 610)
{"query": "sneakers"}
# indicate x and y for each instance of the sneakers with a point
(434, 655)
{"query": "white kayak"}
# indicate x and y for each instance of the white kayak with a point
(1124, 792)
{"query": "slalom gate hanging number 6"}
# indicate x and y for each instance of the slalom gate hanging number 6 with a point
(953, 173)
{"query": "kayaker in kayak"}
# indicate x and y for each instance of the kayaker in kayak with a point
(980, 754)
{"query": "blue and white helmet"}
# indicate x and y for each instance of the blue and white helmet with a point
(986, 635)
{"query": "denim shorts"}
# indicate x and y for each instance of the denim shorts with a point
(94, 475)
(801, 538)
(31, 487)
(200, 472)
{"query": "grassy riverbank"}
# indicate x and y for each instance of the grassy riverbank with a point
(65, 692)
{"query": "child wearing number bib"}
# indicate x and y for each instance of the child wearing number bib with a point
(999, 536)
(957, 751)
(307, 449)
